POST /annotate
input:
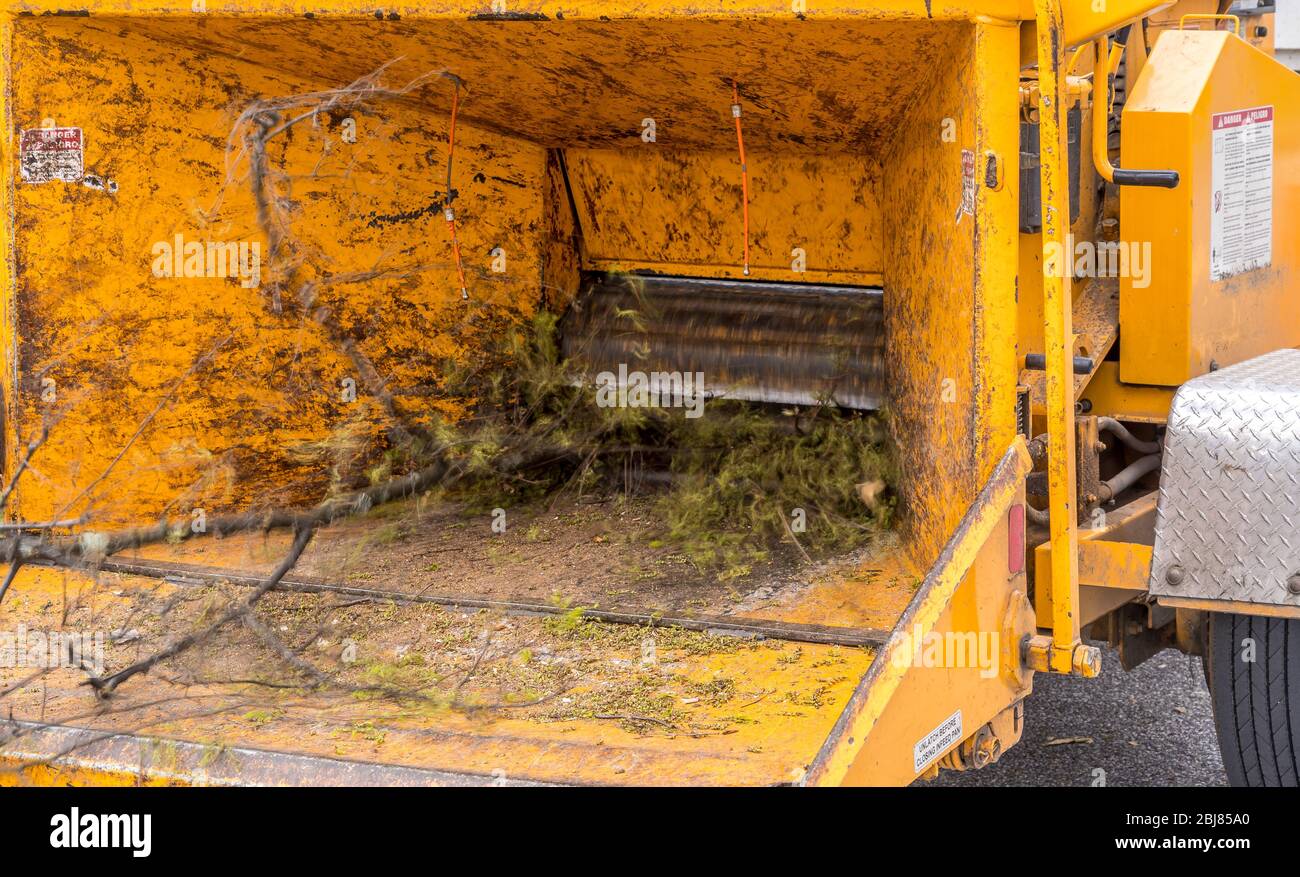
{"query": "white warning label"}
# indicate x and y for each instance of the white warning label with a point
(1241, 222)
(48, 154)
(932, 745)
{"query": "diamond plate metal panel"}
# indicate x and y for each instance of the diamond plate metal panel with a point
(1228, 518)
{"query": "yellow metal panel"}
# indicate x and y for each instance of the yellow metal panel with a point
(1086, 19)
(1058, 336)
(115, 339)
(1184, 322)
(997, 240)
(102, 339)
(1136, 403)
(525, 10)
(579, 82)
(562, 260)
(899, 701)
(1114, 562)
(679, 213)
(767, 738)
(1123, 565)
(929, 305)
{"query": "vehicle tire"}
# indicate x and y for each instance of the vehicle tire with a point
(1256, 702)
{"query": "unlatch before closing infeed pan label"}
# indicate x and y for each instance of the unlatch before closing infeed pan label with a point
(932, 745)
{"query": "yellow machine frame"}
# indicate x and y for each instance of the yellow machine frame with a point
(968, 585)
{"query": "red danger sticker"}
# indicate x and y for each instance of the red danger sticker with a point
(1242, 117)
(48, 154)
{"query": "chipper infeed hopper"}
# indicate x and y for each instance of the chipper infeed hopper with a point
(249, 242)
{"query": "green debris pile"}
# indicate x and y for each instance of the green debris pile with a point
(729, 485)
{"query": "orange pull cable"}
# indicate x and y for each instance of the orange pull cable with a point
(744, 168)
(448, 212)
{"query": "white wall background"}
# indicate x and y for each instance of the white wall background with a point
(1287, 36)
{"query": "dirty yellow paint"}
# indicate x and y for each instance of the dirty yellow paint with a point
(848, 165)
(767, 738)
(242, 392)
(899, 701)
(816, 219)
(853, 123)
(1128, 402)
(929, 306)
(1114, 562)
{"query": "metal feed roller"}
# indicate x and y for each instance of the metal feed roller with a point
(790, 344)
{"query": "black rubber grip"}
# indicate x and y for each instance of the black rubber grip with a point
(1038, 362)
(1159, 179)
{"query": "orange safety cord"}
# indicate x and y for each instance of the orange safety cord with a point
(448, 212)
(744, 168)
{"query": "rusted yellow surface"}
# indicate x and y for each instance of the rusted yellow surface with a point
(364, 219)
(675, 213)
(101, 341)
(950, 322)
(773, 746)
(872, 594)
(94, 327)
(929, 307)
(970, 592)
(531, 9)
(767, 731)
(1084, 19)
(857, 141)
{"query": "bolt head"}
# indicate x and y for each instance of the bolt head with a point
(1087, 661)
(1175, 576)
(1293, 584)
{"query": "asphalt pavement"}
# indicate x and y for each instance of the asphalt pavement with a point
(1148, 727)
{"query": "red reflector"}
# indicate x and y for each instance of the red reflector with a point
(1016, 539)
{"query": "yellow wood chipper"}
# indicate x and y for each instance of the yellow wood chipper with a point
(1051, 239)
